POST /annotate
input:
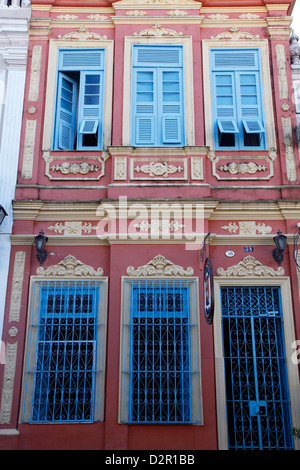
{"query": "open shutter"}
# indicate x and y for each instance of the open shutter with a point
(172, 106)
(90, 111)
(250, 102)
(66, 113)
(144, 105)
(225, 103)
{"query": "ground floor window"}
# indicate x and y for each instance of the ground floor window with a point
(257, 394)
(65, 360)
(160, 376)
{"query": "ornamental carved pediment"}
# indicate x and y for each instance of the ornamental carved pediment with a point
(70, 266)
(160, 266)
(250, 267)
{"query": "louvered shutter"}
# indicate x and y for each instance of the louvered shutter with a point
(250, 102)
(225, 103)
(172, 106)
(144, 104)
(90, 109)
(66, 112)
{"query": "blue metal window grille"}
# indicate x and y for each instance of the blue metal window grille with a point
(79, 100)
(157, 96)
(237, 99)
(66, 369)
(257, 396)
(160, 371)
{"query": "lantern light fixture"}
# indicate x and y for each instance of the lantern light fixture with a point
(280, 244)
(40, 242)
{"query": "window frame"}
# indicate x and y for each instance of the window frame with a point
(158, 117)
(266, 89)
(30, 356)
(126, 353)
(188, 84)
(54, 47)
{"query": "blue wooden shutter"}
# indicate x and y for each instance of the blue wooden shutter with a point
(66, 112)
(172, 106)
(225, 103)
(90, 109)
(145, 97)
(250, 102)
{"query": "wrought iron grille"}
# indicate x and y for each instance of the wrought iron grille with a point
(65, 369)
(257, 396)
(160, 352)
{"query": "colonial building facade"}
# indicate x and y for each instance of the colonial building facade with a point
(158, 160)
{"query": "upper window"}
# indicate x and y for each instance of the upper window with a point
(237, 99)
(79, 100)
(157, 96)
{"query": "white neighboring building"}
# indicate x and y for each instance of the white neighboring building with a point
(14, 23)
(295, 60)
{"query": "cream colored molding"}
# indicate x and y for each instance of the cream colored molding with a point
(70, 266)
(263, 46)
(29, 144)
(234, 33)
(248, 228)
(157, 4)
(289, 149)
(197, 172)
(250, 267)
(8, 383)
(282, 72)
(158, 31)
(17, 286)
(35, 73)
(80, 165)
(159, 266)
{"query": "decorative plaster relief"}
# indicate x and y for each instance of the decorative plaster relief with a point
(158, 31)
(28, 154)
(289, 149)
(8, 383)
(159, 226)
(252, 167)
(17, 286)
(282, 72)
(235, 33)
(35, 73)
(67, 17)
(98, 17)
(197, 168)
(248, 228)
(82, 34)
(70, 266)
(250, 267)
(72, 228)
(77, 168)
(177, 13)
(157, 169)
(160, 266)
(136, 13)
(120, 168)
(218, 17)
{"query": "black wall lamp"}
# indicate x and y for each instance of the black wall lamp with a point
(40, 242)
(3, 214)
(280, 242)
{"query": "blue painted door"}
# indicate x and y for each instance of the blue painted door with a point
(257, 395)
